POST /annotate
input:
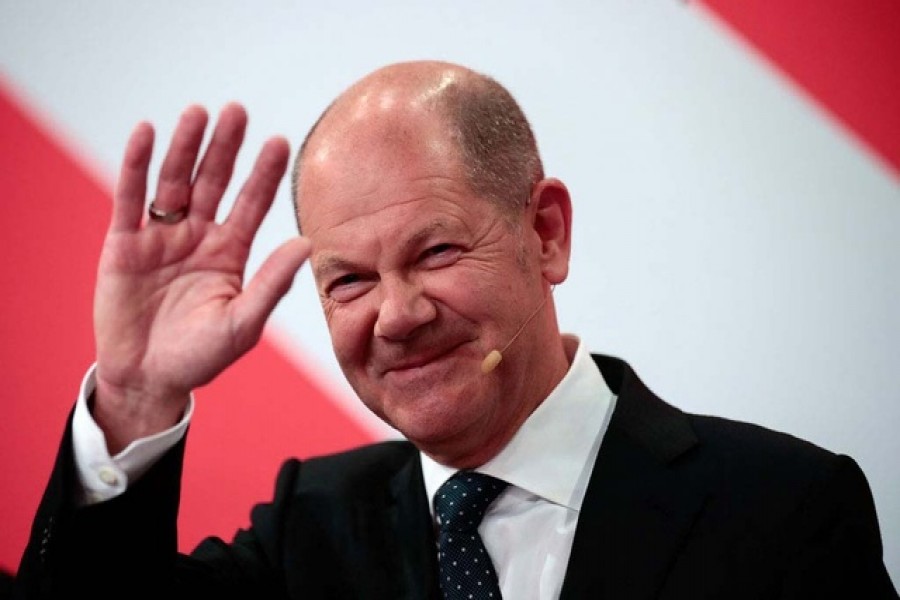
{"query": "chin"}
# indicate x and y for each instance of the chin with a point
(432, 416)
(438, 403)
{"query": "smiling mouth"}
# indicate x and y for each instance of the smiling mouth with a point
(421, 362)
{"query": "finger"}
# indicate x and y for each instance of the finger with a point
(217, 165)
(173, 190)
(256, 196)
(273, 280)
(131, 188)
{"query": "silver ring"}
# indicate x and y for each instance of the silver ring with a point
(166, 216)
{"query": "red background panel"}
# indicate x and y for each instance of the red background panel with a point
(845, 53)
(52, 219)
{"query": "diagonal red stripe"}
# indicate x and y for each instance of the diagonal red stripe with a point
(845, 53)
(52, 219)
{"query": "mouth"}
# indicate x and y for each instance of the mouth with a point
(421, 361)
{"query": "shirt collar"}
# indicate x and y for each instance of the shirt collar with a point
(553, 453)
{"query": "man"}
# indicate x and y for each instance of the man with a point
(435, 240)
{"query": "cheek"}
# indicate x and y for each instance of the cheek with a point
(463, 286)
(478, 295)
(350, 334)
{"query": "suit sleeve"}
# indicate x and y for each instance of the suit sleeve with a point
(96, 549)
(126, 547)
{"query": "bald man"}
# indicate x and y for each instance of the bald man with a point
(435, 238)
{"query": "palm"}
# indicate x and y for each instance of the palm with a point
(173, 290)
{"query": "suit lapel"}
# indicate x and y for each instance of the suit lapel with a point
(637, 508)
(411, 525)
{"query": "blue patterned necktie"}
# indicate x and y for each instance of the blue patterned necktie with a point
(466, 571)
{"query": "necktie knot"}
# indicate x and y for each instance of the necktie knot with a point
(461, 502)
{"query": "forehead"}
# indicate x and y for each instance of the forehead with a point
(348, 174)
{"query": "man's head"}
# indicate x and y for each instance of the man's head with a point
(435, 236)
(495, 142)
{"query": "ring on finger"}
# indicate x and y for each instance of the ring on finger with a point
(166, 216)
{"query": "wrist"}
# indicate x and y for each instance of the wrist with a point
(127, 413)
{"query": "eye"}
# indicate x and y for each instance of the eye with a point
(347, 287)
(440, 255)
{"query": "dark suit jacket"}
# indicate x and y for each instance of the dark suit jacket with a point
(678, 506)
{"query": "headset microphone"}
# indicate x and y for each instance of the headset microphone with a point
(494, 357)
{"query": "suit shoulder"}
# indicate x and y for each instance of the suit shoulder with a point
(363, 468)
(738, 440)
(669, 433)
(751, 460)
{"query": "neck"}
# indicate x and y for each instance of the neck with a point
(541, 373)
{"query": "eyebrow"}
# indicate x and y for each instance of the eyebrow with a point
(330, 262)
(418, 238)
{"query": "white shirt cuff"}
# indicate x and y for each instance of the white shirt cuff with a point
(102, 476)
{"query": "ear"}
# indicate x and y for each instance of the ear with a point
(551, 208)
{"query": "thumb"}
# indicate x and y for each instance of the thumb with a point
(251, 309)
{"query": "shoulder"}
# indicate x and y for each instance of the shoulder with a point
(727, 454)
(794, 482)
(368, 467)
(747, 444)
(755, 461)
(765, 507)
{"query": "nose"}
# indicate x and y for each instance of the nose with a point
(404, 308)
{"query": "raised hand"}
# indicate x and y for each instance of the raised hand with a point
(171, 310)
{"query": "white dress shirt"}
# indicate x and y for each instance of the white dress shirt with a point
(527, 531)
(102, 476)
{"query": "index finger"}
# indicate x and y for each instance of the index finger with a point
(131, 187)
